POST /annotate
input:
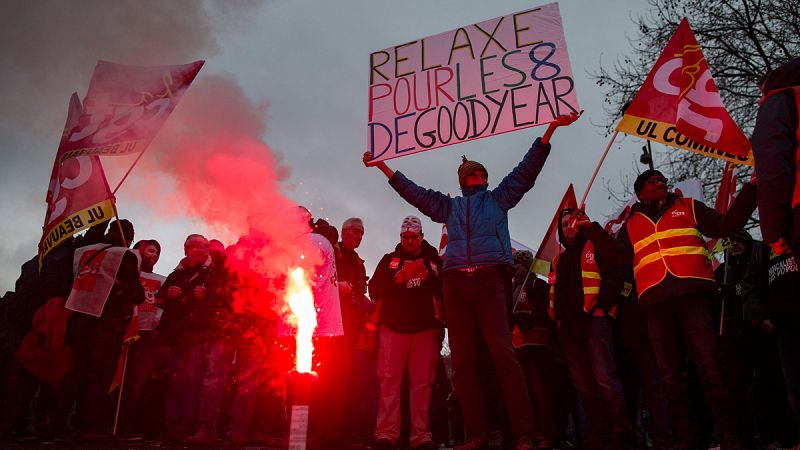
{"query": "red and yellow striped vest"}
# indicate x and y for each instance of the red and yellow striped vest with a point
(672, 245)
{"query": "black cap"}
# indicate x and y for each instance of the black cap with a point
(641, 179)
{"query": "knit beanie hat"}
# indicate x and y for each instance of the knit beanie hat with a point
(642, 179)
(466, 168)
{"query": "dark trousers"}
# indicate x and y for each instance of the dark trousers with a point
(636, 341)
(477, 303)
(538, 366)
(332, 363)
(682, 323)
(145, 385)
(96, 344)
(588, 347)
(788, 340)
(186, 368)
(248, 373)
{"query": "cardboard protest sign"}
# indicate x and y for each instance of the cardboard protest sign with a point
(679, 105)
(125, 107)
(487, 78)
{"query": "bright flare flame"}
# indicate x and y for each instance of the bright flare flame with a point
(301, 302)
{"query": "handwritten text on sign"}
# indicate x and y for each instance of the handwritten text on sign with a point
(483, 79)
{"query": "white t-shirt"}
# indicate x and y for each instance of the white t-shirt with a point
(324, 288)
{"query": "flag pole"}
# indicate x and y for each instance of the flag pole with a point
(724, 294)
(121, 386)
(128, 172)
(597, 169)
(119, 225)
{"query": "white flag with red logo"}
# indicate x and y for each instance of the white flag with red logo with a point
(125, 107)
(679, 105)
(443, 241)
(78, 196)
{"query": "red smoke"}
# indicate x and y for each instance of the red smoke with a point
(228, 178)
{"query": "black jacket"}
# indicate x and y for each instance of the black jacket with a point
(611, 259)
(186, 319)
(774, 144)
(408, 307)
(710, 223)
(769, 287)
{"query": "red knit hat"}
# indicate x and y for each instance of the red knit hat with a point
(466, 168)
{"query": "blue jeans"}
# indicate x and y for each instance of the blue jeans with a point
(588, 347)
(477, 303)
(220, 364)
(686, 322)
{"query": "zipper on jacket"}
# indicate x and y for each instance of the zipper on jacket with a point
(469, 253)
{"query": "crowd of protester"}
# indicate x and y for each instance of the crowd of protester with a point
(634, 340)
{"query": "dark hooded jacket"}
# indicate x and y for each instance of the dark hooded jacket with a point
(774, 145)
(186, 319)
(408, 307)
(611, 258)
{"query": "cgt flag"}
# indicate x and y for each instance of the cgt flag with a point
(78, 196)
(679, 105)
(125, 107)
(550, 246)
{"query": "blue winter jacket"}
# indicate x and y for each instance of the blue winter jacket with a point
(477, 223)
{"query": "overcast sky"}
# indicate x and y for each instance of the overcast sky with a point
(303, 66)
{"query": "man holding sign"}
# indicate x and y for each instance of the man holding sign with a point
(476, 280)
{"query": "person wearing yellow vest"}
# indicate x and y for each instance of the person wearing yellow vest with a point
(674, 281)
(586, 279)
(776, 147)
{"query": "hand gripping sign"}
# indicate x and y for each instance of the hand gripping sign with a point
(679, 105)
(499, 75)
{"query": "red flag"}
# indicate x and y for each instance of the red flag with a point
(725, 197)
(126, 106)
(615, 223)
(550, 246)
(43, 351)
(131, 336)
(78, 196)
(443, 241)
(679, 105)
(727, 189)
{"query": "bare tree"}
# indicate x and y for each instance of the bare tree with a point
(741, 40)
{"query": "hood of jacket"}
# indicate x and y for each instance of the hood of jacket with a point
(784, 76)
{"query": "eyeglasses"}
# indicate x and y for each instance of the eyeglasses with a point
(654, 180)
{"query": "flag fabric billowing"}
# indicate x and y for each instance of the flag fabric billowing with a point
(550, 246)
(78, 196)
(443, 241)
(43, 352)
(618, 219)
(125, 107)
(679, 105)
(725, 197)
(727, 189)
(517, 246)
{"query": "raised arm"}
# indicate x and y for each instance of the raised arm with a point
(510, 191)
(380, 165)
(429, 202)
